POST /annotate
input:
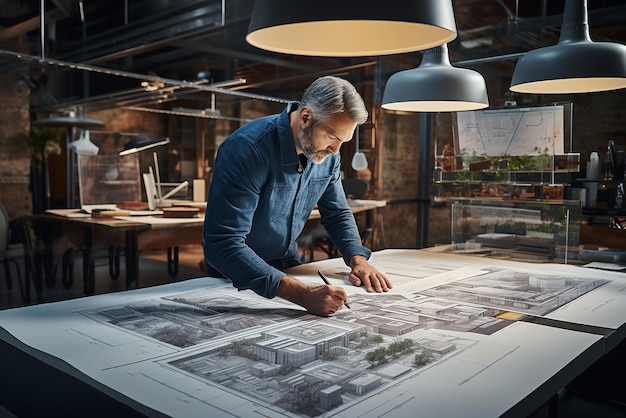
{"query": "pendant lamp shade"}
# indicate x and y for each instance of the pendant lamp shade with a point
(350, 28)
(84, 145)
(435, 86)
(359, 161)
(575, 64)
(70, 122)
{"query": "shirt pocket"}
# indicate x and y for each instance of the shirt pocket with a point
(278, 202)
(314, 190)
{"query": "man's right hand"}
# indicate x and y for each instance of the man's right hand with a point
(322, 300)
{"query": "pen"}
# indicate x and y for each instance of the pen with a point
(328, 283)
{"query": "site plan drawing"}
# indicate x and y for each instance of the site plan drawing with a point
(215, 349)
(516, 131)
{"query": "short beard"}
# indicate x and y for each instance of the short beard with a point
(305, 142)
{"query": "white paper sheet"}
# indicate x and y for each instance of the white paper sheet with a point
(177, 348)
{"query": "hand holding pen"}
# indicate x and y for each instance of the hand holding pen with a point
(325, 279)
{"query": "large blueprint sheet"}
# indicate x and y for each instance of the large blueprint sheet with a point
(436, 343)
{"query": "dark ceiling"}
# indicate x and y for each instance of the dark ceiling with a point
(177, 40)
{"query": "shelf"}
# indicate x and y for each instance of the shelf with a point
(502, 177)
(588, 211)
(604, 181)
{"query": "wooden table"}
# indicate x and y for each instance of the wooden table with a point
(133, 233)
(357, 206)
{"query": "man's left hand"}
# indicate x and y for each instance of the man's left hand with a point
(363, 274)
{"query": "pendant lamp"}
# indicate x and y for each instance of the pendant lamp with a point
(435, 86)
(350, 28)
(359, 161)
(70, 121)
(575, 64)
(84, 145)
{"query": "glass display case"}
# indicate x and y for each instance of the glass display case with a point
(516, 153)
(530, 231)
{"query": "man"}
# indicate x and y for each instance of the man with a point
(268, 176)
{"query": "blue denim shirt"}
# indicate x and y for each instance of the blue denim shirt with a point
(259, 200)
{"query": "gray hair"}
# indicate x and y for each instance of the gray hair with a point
(329, 95)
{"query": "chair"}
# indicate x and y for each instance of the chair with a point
(17, 256)
(7, 256)
(355, 188)
(314, 236)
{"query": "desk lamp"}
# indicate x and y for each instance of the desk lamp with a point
(141, 142)
(156, 197)
(154, 193)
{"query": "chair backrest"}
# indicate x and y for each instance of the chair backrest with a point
(355, 188)
(4, 228)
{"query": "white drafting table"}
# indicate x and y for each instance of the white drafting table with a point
(120, 344)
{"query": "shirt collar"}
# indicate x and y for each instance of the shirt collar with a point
(285, 136)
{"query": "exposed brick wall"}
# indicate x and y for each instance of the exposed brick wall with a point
(598, 118)
(397, 139)
(14, 152)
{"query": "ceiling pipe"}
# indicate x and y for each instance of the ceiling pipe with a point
(42, 27)
(34, 23)
(143, 77)
(333, 71)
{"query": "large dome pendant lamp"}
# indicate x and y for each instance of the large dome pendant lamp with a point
(350, 28)
(435, 86)
(575, 64)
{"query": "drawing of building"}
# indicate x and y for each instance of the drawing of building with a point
(264, 370)
(363, 384)
(392, 371)
(437, 347)
(395, 328)
(546, 282)
(282, 350)
(330, 397)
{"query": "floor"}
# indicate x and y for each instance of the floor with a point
(575, 405)
(153, 271)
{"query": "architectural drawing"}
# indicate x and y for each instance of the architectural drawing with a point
(518, 291)
(516, 131)
(202, 348)
(301, 365)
